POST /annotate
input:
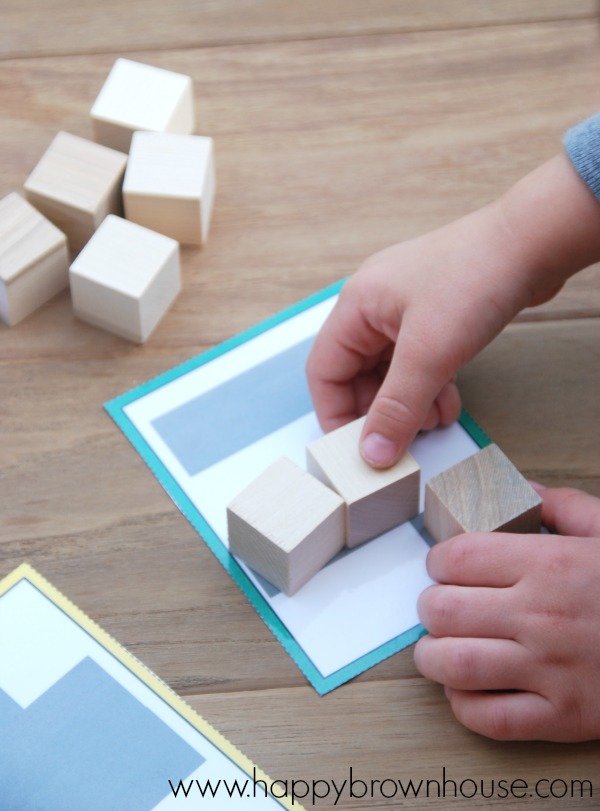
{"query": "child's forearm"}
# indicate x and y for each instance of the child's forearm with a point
(554, 220)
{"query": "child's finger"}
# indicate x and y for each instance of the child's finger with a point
(449, 403)
(464, 611)
(445, 408)
(508, 716)
(492, 559)
(475, 664)
(344, 349)
(414, 380)
(568, 511)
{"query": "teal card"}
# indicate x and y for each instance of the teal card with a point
(210, 426)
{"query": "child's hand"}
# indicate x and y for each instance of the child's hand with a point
(416, 312)
(515, 626)
(404, 324)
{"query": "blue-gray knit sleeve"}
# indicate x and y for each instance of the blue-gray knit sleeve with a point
(582, 145)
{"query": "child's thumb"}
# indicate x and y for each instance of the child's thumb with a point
(390, 427)
(400, 409)
(568, 511)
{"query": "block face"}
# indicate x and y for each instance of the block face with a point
(76, 184)
(160, 294)
(484, 493)
(170, 184)
(286, 525)
(439, 521)
(33, 259)
(125, 278)
(383, 510)
(376, 500)
(141, 97)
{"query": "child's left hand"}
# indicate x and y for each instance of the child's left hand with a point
(515, 625)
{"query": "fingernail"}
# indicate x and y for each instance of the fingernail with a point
(378, 450)
(537, 486)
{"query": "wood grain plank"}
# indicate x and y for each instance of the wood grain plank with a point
(349, 147)
(546, 377)
(37, 27)
(400, 730)
(578, 299)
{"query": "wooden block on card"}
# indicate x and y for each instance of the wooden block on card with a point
(76, 184)
(125, 278)
(141, 97)
(286, 525)
(34, 260)
(169, 184)
(483, 493)
(376, 500)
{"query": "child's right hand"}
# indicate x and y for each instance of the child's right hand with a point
(404, 324)
(414, 313)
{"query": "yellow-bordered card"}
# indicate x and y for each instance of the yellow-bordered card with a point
(84, 725)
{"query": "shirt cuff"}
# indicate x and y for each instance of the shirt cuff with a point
(582, 145)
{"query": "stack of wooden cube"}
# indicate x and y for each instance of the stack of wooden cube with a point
(288, 523)
(108, 215)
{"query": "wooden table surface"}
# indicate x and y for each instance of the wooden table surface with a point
(340, 127)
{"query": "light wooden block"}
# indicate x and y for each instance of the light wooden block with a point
(76, 184)
(141, 97)
(34, 259)
(125, 279)
(169, 184)
(376, 500)
(484, 493)
(286, 525)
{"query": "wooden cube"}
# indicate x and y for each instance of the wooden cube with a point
(286, 525)
(34, 260)
(76, 184)
(376, 500)
(484, 493)
(170, 184)
(141, 97)
(125, 278)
